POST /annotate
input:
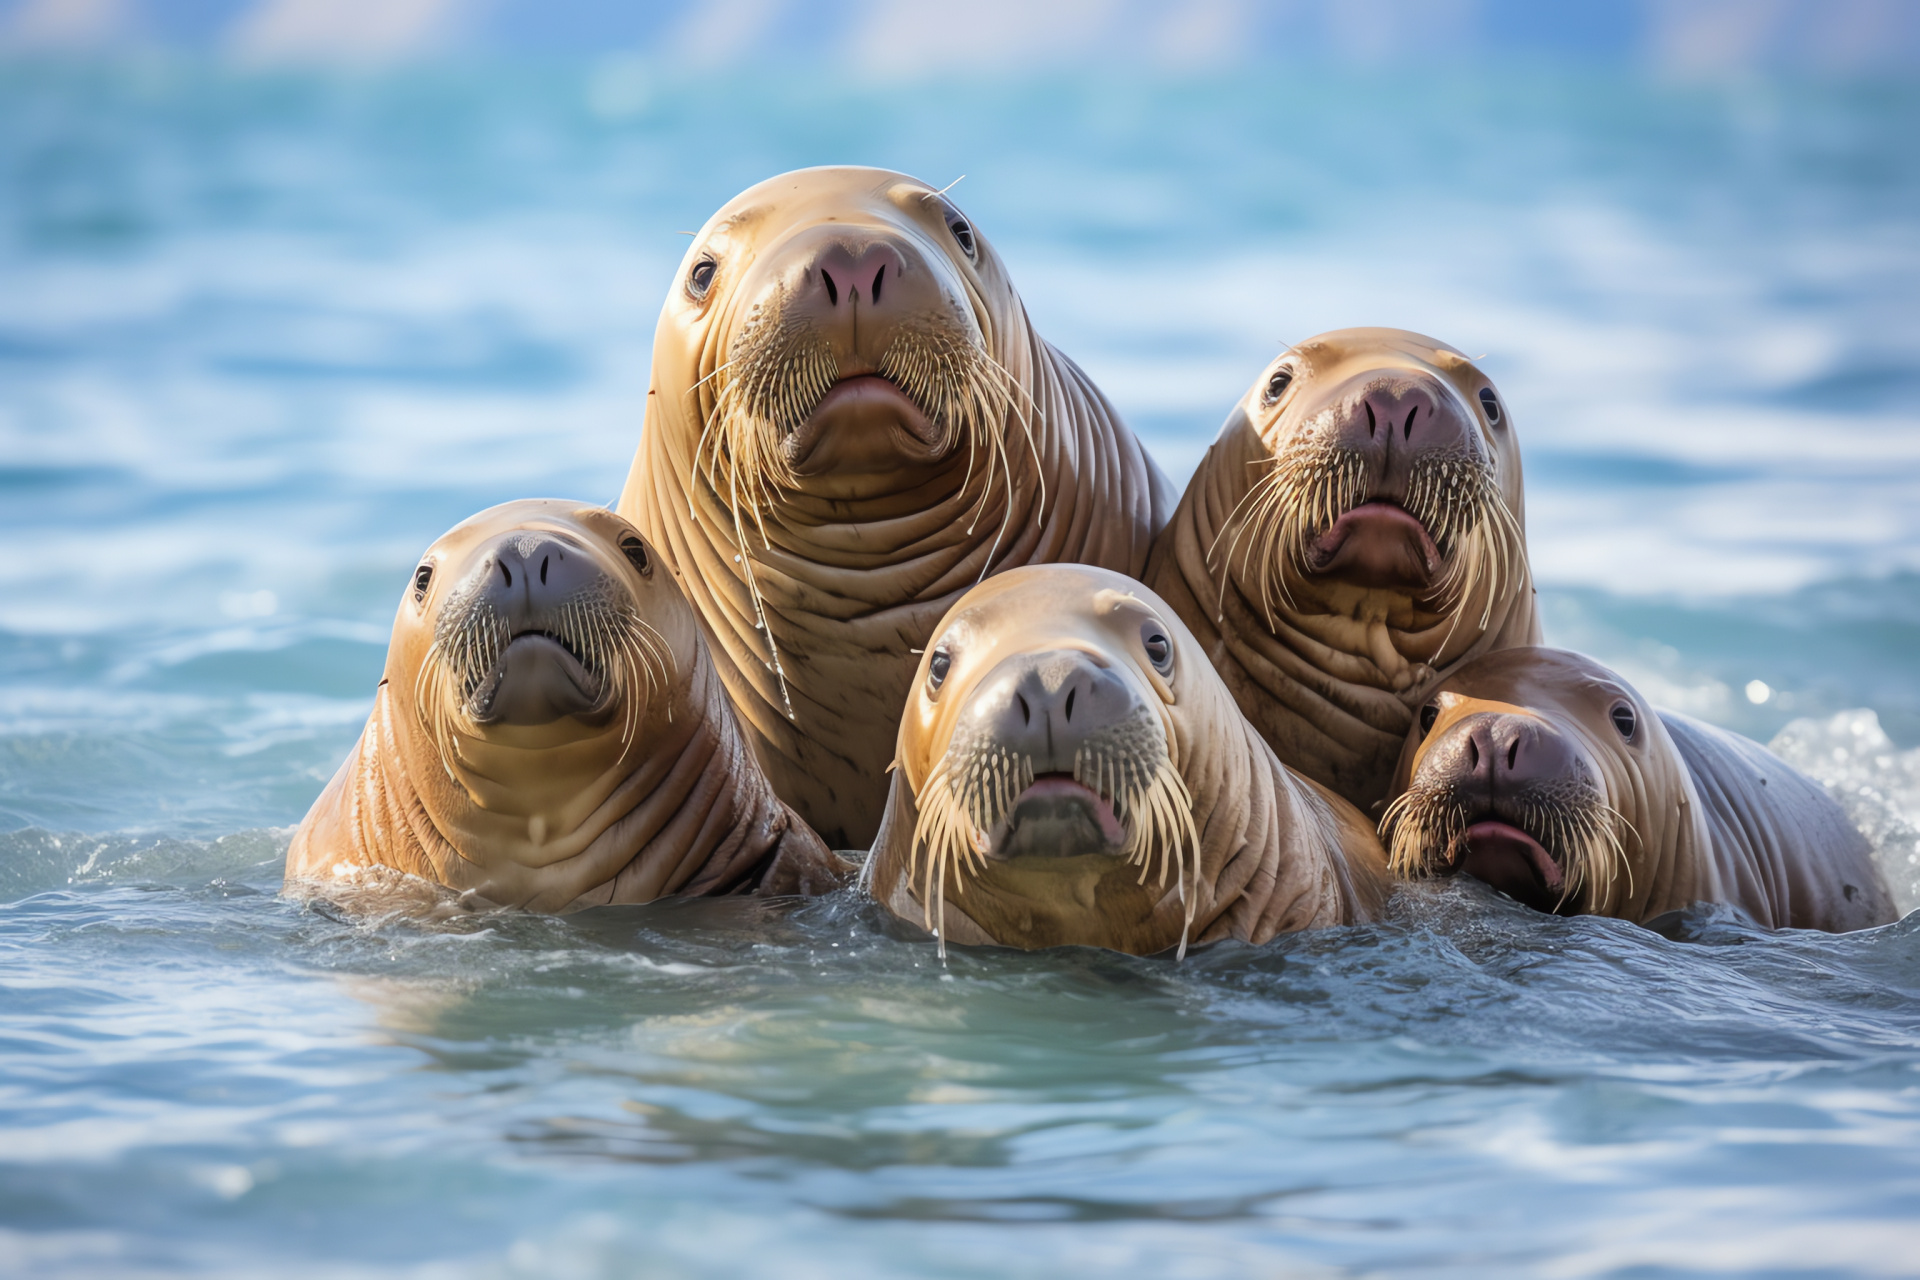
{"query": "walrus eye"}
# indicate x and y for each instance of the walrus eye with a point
(1159, 648)
(937, 668)
(700, 279)
(636, 551)
(1277, 385)
(421, 578)
(1624, 720)
(1428, 714)
(1491, 403)
(964, 234)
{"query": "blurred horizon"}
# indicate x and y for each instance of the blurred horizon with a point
(881, 39)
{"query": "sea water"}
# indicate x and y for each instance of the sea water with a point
(264, 336)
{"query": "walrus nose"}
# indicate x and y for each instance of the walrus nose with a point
(1399, 415)
(1044, 705)
(839, 276)
(1493, 755)
(524, 574)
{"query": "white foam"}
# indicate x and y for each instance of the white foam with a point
(1875, 782)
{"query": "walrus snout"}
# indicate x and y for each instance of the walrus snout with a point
(859, 291)
(531, 593)
(1394, 424)
(1492, 756)
(1509, 775)
(1047, 705)
(1393, 418)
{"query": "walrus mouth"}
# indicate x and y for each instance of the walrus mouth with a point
(1318, 514)
(537, 678)
(984, 804)
(1377, 544)
(1541, 848)
(1058, 817)
(864, 422)
(584, 657)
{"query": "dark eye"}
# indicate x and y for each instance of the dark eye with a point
(937, 668)
(636, 551)
(422, 578)
(700, 279)
(963, 233)
(1491, 403)
(1277, 385)
(1624, 719)
(1428, 714)
(1159, 648)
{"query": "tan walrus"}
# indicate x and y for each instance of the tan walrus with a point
(1071, 771)
(851, 422)
(549, 734)
(1356, 532)
(1544, 774)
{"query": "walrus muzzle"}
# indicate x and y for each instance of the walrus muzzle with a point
(1388, 484)
(858, 357)
(537, 631)
(1054, 756)
(1511, 801)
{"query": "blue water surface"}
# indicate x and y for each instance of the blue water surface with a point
(264, 335)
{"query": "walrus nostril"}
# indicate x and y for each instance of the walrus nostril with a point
(1406, 432)
(1026, 712)
(876, 281)
(543, 569)
(1371, 424)
(833, 294)
(1513, 752)
(505, 572)
(1473, 754)
(1070, 696)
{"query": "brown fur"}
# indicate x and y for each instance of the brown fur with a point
(1275, 852)
(1698, 814)
(815, 592)
(1330, 673)
(661, 798)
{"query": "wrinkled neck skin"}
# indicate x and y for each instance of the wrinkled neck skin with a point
(551, 817)
(1331, 675)
(1278, 855)
(851, 584)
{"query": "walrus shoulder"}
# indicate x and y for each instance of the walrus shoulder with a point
(1776, 832)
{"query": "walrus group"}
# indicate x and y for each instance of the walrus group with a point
(889, 573)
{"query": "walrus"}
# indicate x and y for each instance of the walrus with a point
(1356, 532)
(1070, 770)
(1547, 776)
(851, 422)
(550, 734)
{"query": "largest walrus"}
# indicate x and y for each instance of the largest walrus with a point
(851, 422)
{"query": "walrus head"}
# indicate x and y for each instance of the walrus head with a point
(536, 649)
(836, 333)
(1043, 746)
(1394, 472)
(1522, 771)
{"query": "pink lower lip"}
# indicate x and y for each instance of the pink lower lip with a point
(1061, 787)
(1492, 834)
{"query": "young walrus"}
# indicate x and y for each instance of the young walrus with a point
(851, 422)
(1070, 770)
(549, 734)
(1356, 532)
(1544, 774)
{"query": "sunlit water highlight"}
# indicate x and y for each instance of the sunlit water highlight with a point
(261, 339)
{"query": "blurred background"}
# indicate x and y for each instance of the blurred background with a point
(287, 287)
